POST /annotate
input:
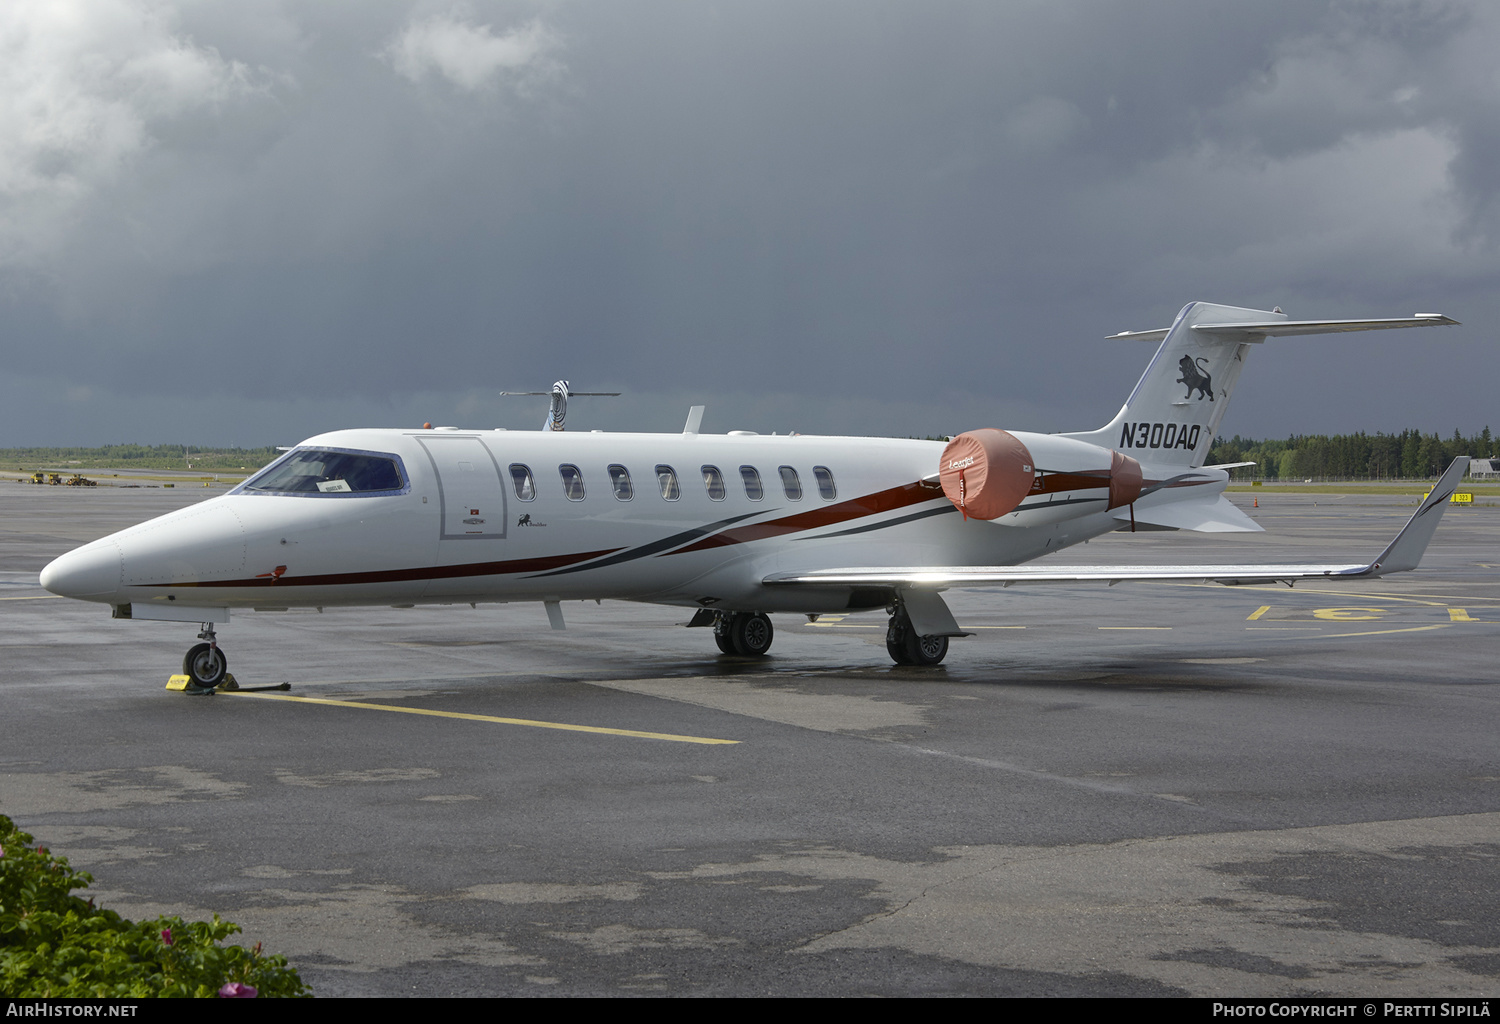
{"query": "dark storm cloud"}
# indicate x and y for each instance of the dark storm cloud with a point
(278, 218)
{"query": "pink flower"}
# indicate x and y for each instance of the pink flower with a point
(236, 990)
(166, 936)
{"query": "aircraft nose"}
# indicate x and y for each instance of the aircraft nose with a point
(93, 570)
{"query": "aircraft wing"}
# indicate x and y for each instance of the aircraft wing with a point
(1403, 553)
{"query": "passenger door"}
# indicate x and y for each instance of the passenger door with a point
(471, 495)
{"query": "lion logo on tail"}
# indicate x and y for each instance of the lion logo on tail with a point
(1196, 378)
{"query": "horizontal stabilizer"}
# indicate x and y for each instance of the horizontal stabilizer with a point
(1405, 552)
(1219, 516)
(1294, 328)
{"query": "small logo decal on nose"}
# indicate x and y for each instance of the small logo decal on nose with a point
(273, 575)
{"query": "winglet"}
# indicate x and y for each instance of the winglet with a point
(1405, 552)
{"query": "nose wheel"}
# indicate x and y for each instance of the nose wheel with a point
(205, 664)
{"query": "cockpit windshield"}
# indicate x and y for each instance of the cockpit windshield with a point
(328, 471)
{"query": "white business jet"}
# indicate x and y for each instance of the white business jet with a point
(735, 526)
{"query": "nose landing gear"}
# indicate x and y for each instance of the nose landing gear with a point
(204, 664)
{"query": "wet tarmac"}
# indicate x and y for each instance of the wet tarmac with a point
(1144, 789)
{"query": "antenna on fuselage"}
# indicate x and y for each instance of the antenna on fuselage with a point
(557, 410)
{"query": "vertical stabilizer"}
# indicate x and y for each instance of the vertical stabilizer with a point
(1174, 412)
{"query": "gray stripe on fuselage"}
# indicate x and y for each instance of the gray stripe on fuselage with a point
(676, 540)
(889, 522)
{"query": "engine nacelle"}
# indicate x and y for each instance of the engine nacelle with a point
(1024, 479)
(986, 473)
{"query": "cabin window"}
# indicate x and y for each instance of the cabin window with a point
(791, 483)
(619, 479)
(521, 478)
(713, 482)
(825, 483)
(666, 479)
(329, 471)
(753, 490)
(572, 481)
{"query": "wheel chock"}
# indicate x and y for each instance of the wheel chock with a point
(184, 684)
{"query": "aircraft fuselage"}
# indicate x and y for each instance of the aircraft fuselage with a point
(678, 519)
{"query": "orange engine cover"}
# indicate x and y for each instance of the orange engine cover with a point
(1124, 480)
(986, 472)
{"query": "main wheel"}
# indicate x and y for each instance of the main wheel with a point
(722, 637)
(751, 634)
(925, 650)
(205, 665)
(895, 644)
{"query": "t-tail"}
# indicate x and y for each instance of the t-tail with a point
(1173, 414)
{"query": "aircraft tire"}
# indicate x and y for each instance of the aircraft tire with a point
(205, 665)
(895, 645)
(723, 639)
(751, 633)
(925, 650)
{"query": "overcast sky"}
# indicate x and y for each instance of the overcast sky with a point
(248, 221)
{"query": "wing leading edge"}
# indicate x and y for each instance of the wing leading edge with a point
(1402, 554)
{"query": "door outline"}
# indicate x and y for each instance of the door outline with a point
(443, 533)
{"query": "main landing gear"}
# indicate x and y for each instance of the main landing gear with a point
(204, 664)
(907, 648)
(748, 634)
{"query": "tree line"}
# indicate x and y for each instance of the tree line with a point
(140, 456)
(1410, 454)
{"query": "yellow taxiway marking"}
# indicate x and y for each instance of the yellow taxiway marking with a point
(1408, 599)
(1437, 600)
(1348, 614)
(487, 718)
(33, 597)
(1258, 613)
(1377, 632)
(1135, 627)
(1459, 615)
